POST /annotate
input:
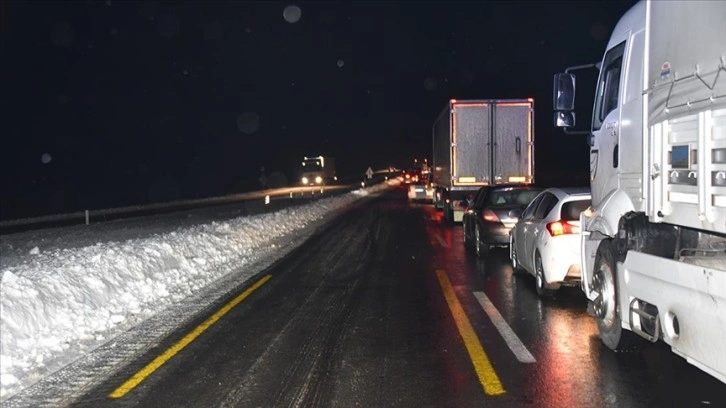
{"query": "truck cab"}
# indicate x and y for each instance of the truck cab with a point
(654, 241)
(317, 171)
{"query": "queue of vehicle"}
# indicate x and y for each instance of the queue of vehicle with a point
(646, 241)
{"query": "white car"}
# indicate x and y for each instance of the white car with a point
(546, 240)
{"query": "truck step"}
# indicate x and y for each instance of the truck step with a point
(649, 327)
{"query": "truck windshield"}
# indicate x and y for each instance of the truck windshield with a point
(311, 165)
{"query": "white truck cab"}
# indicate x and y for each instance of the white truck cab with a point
(654, 240)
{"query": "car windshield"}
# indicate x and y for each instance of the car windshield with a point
(512, 197)
(571, 210)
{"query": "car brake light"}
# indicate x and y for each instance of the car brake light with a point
(488, 215)
(562, 228)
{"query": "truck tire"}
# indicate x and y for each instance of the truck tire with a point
(448, 213)
(606, 305)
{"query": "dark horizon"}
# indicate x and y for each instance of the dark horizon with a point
(108, 104)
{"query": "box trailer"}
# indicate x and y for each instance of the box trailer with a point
(478, 143)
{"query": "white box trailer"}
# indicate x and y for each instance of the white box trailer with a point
(654, 241)
(478, 143)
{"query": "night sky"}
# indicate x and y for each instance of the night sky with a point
(114, 103)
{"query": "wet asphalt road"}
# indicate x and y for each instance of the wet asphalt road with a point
(385, 309)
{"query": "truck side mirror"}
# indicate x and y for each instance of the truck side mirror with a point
(564, 119)
(564, 92)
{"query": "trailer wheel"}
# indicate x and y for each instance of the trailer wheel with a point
(606, 307)
(448, 213)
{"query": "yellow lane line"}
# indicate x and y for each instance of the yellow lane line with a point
(483, 367)
(185, 341)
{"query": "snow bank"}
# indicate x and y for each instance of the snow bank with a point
(58, 305)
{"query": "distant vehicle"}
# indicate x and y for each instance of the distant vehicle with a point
(411, 176)
(492, 213)
(653, 258)
(318, 171)
(421, 190)
(546, 240)
(478, 143)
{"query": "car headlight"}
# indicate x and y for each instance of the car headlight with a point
(305, 180)
(318, 179)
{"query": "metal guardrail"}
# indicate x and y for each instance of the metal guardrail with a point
(253, 202)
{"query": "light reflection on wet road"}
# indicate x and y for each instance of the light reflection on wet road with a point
(572, 366)
(361, 315)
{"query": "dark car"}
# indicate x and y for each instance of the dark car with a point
(492, 213)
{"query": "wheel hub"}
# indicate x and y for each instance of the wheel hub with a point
(604, 302)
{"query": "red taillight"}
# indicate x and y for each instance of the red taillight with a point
(488, 215)
(562, 228)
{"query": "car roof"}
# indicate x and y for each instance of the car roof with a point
(503, 186)
(570, 191)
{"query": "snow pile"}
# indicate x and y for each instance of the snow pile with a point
(58, 305)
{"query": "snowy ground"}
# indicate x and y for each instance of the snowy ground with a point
(63, 297)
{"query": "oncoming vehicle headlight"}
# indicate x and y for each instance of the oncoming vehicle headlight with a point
(318, 179)
(305, 180)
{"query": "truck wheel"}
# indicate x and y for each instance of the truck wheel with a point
(482, 249)
(544, 289)
(606, 307)
(445, 209)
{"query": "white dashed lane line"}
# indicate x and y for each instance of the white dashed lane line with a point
(441, 241)
(514, 343)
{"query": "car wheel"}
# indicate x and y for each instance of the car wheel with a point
(467, 241)
(606, 306)
(482, 249)
(514, 258)
(543, 288)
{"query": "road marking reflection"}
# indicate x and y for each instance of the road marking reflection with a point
(140, 376)
(514, 343)
(441, 241)
(483, 367)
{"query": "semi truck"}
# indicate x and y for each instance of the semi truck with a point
(478, 143)
(654, 240)
(318, 171)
